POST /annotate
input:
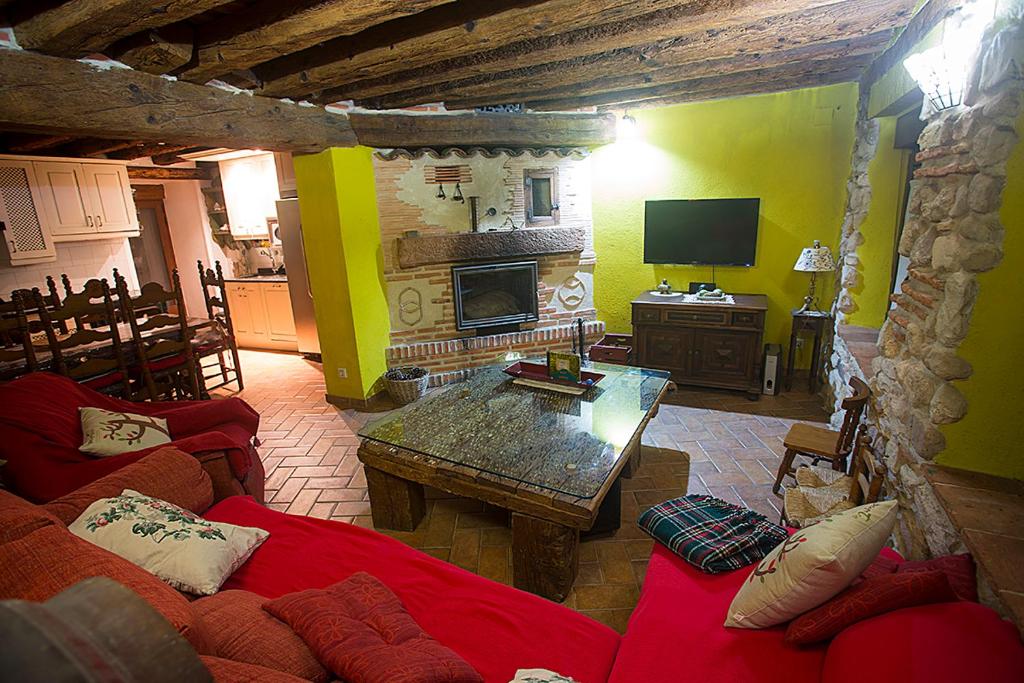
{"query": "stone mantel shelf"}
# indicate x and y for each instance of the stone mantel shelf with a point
(423, 250)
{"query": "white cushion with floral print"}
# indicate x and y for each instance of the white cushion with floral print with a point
(107, 433)
(812, 566)
(184, 550)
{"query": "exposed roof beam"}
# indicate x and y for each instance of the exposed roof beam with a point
(485, 130)
(79, 27)
(156, 52)
(66, 97)
(143, 150)
(167, 158)
(23, 144)
(700, 29)
(808, 74)
(272, 29)
(161, 173)
(623, 70)
(92, 147)
(454, 31)
(926, 18)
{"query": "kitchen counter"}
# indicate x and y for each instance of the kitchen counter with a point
(258, 278)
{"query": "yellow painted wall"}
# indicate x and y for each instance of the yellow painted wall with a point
(988, 439)
(887, 175)
(341, 234)
(790, 149)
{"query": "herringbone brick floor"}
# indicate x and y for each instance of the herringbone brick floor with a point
(309, 451)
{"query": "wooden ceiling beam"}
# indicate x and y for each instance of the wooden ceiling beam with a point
(79, 27)
(156, 52)
(624, 70)
(168, 158)
(25, 144)
(272, 29)
(484, 130)
(926, 18)
(699, 28)
(454, 31)
(66, 97)
(808, 74)
(95, 147)
(143, 150)
(161, 173)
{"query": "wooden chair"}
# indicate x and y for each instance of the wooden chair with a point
(819, 443)
(17, 342)
(163, 341)
(219, 341)
(820, 492)
(27, 307)
(91, 355)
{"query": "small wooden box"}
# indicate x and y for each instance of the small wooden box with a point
(614, 348)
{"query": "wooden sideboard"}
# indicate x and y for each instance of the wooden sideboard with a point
(705, 344)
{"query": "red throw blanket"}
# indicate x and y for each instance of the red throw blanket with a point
(41, 431)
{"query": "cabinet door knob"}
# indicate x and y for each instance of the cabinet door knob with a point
(88, 221)
(99, 222)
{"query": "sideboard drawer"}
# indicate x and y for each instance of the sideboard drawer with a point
(746, 319)
(704, 317)
(646, 315)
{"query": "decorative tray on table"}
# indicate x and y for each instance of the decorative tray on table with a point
(536, 375)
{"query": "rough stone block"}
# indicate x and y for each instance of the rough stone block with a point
(944, 362)
(948, 405)
(986, 192)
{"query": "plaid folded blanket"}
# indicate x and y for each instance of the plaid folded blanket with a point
(711, 534)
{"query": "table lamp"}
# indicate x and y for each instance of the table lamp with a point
(813, 260)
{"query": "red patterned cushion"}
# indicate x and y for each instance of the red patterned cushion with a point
(869, 598)
(881, 566)
(959, 569)
(229, 671)
(359, 630)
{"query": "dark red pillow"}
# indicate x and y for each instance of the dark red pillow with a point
(360, 631)
(869, 598)
(959, 569)
(880, 566)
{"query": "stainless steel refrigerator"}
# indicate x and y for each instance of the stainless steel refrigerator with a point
(289, 232)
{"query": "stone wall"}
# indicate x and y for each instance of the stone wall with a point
(952, 232)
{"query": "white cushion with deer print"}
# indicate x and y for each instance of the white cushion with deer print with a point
(812, 566)
(108, 433)
(184, 550)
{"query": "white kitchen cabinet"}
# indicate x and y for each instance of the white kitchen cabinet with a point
(65, 200)
(250, 195)
(110, 195)
(27, 239)
(261, 314)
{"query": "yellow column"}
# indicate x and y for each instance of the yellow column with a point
(341, 233)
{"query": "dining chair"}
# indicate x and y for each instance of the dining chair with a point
(90, 354)
(8, 309)
(219, 339)
(820, 492)
(162, 340)
(17, 343)
(819, 443)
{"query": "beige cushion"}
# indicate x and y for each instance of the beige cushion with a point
(106, 433)
(179, 547)
(812, 566)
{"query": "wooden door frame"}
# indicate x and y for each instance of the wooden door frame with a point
(152, 197)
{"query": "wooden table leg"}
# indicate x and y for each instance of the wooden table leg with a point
(790, 360)
(394, 503)
(812, 382)
(545, 556)
(633, 458)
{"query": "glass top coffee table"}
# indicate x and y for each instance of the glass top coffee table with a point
(550, 458)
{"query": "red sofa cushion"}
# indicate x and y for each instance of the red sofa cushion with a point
(167, 474)
(228, 671)
(51, 559)
(948, 642)
(495, 628)
(959, 569)
(41, 431)
(869, 598)
(360, 631)
(236, 627)
(18, 517)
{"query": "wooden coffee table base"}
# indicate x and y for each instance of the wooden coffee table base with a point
(545, 556)
(394, 503)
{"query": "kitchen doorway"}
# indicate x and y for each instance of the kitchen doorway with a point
(152, 250)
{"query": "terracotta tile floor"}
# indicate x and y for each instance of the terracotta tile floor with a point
(309, 452)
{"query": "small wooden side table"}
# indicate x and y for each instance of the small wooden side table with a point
(813, 322)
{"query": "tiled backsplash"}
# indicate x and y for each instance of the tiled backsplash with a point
(80, 260)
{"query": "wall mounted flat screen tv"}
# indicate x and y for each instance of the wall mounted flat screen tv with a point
(713, 232)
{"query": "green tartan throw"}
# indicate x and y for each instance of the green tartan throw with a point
(711, 534)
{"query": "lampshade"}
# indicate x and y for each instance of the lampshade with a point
(816, 259)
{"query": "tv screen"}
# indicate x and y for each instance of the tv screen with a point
(714, 232)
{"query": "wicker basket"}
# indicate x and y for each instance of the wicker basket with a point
(406, 384)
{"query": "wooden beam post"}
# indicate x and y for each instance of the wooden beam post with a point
(65, 97)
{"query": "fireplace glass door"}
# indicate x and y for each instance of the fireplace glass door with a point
(499, 294)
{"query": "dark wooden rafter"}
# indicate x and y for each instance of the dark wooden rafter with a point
(64, 97)
(168, 157)
(79, 27)
(158, 51)
(94, 147)
(27, 143)
(272, 29)
(487, 130)
(451, 31)
(161, 173)
(923, 21)
(144, 150)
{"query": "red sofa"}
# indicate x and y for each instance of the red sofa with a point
(675, 634)
(41, 431)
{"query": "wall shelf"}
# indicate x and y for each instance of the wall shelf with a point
(425, 250)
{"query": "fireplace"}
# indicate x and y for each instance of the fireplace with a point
(498, 295)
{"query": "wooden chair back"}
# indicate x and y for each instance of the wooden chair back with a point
(70, 351)
(854, 406)
(28, 307)
(17, 340)
(868, 471)
(217, 301)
